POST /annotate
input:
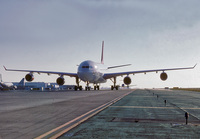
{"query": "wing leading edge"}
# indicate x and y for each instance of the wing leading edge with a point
(111, 75)
(47, 72)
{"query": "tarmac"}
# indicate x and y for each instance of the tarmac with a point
(141, 113)
(27, 115)
(145, 114)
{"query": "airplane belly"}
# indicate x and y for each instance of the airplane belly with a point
(98, 78)
(91, 77)
(101, 80)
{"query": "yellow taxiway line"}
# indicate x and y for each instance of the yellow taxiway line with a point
(57, 132)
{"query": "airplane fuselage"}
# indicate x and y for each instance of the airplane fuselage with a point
(92, 72)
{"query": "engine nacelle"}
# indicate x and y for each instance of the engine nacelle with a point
(29, 77)
(60, 80)
(127, 80)
(163, 76)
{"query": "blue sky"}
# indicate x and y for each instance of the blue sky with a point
(59, 35)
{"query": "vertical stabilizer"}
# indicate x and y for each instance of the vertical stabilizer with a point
(102, 62)
(21, 83)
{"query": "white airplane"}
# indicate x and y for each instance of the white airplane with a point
(93, 72)
(6, 85)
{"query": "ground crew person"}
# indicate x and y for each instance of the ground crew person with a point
(186, 117)
(165, 102)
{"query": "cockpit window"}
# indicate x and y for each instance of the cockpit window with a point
(85, 67)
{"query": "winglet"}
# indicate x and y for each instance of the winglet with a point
(5, 68)
(195, 65)
(102, 62)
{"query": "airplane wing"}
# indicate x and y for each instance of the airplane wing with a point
(111, 75)
(47, 72)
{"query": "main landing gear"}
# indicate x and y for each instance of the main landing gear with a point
(78, 86)
(114, 86)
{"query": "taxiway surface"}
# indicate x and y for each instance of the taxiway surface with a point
(144, 114)
(140, 114)
(27, 115)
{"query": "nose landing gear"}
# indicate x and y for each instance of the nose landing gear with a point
(96, 87)
(87, 87)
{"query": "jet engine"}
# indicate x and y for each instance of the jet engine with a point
(127, 80)
(29, 77)
(163, 76)
(60, 80)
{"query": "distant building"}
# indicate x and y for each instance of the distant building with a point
(42, 86)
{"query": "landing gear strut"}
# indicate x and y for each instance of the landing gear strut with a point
(78, 86)
(87, 87)
(114, 86)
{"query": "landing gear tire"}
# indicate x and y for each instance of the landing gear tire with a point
(87, 88)
(116, 87)
(96, 87)
(80, 88)
(75, 88)
(112, 87)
